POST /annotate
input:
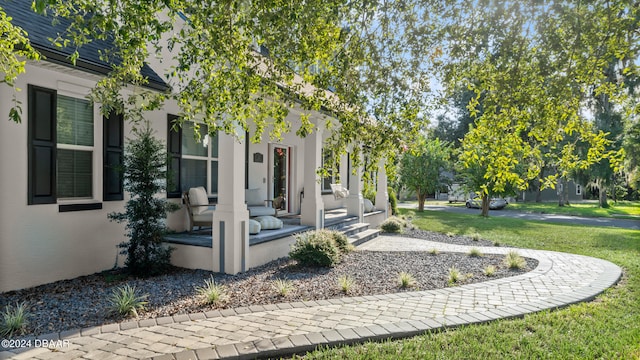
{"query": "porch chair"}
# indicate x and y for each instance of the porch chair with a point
(198, 208)
(339, 191)
(257, 205)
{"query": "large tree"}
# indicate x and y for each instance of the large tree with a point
(533, 64)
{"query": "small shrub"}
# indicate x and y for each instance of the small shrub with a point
(490, 270)
(125, 301)
(434, 251)
(283, 286)
(454, 275)
(496, 243)
(341, 240)
(513, 260)
(450, 234)
(346, 283)
(392, 225)
(406, 280)
(212, 293)
(475, 252)
(475, 236)
(14, 320)
(316, 248)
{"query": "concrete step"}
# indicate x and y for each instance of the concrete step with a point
(364, 236)
(354, 228)
(337, 224)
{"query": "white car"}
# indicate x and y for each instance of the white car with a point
(494, 203)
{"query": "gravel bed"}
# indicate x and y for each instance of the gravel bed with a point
(83, 301)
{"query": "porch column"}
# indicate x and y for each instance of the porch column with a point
(382, 197)
(312, 209)
(230, 234)
(355, 204)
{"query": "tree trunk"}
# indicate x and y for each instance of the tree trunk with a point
(560, 191)
(539, 190)
(602, 194)
(421, 198)
(485, 205)
(565, 193)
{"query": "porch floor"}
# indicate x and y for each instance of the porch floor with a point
(291, 226)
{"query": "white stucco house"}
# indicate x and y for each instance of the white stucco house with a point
(58, 182)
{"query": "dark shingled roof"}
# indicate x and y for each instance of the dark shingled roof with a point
(40, 29)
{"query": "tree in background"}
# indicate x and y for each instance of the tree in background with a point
(145, 213)
(532, 65)
(423, 168)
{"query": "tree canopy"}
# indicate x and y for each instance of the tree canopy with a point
(370, 64)
(533, 64)
(249, 63)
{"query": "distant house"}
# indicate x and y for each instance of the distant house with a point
(59, 179)
(575, 193)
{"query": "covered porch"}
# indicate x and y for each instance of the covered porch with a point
(286, 170)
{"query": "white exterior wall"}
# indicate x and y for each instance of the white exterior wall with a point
(39, 244)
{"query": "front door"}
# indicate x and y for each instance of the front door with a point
(280, 180)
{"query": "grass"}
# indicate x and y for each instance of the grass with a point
(406, 280)
(475, 252)
(212, 293)
(282, 286)
(454, 275)
(621, 209)
(606, 328)
(513, 260)
(346, 283)
(126, 301)
(489, 270)
(14, 319)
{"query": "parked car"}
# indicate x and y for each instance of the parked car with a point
(494, 203)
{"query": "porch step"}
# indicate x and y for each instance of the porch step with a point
(353, 228)
(364, 236)
(340, 223)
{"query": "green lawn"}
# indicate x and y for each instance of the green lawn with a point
(607, 328)
(620, 209)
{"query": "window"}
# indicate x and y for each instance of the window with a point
(74, 148)
(62, 150)
(331, 179)
(194, 162)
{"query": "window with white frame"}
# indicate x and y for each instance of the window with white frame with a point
(62, 154)
(194, 160)
(74, 148)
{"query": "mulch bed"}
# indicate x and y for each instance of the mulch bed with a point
(83, 302)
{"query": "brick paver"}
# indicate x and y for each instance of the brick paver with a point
(559, 280)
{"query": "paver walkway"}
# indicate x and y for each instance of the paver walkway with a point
(273, 330)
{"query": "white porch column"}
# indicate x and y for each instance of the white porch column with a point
(355, 204)
(312, 210)
(230, 234)
(382, 197)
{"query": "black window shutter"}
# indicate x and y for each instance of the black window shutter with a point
(174, 155)
(42, 145)
(112, 187)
